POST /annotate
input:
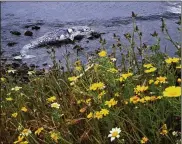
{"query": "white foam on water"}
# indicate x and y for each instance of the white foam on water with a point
(174, 7)
(176, 10)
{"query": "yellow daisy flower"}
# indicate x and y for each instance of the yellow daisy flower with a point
(144, 140)
(164, 130)
(147, 65)
(172, 91)
(24, 109)
(90, 115)
(161, 79)
(38, 131)
(172, 60)
(96, 86)
(14, 114)
(98, 115)
(51, 99)
(102, 53)
(104, 112)
(151, 81)
(111, 102)
(20, 138)
(134, 99)
(126, 75)
(150, 70)
(55, 136)
(139, 89)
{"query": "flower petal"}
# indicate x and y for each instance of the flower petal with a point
(112, 138)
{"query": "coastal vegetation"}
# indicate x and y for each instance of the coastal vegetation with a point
(129, 96)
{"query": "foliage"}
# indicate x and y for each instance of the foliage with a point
(100, 102)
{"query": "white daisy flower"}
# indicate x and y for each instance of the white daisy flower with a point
(175, 133)
(31, 72)
(11, 71)
(26, 132)
(55, 105)
(114, 133)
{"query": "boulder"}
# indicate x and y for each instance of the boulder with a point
(10, 44)
(35, 28)
(15, 33)
(94, 35)
(44, 64)
(28, 33)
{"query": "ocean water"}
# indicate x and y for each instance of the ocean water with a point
(106, 17)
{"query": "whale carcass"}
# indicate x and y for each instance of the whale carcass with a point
(62, 35)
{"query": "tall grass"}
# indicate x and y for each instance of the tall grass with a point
(84, 102)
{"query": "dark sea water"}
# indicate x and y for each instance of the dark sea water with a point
(107, 17)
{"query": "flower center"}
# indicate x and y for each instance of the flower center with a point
(173, 93)
(114, 134)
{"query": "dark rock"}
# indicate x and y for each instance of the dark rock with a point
(41, 22)
(26, 79)
(40, 72)
(27, 26)
(15, 33)
(10, 44)
(32, 65)
(28, 33)
(24, 67)
(94, 35)
(35, 28)
(15, 65)
(77, 47)
(3, 59)
(8, 65)
(18, 60)
(44, 64)
(78, 38)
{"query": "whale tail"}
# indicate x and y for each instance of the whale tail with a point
(25, 57)
(23, 53)
(29, 56)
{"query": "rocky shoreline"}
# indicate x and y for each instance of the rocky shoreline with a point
(20, 70)
(23, 68)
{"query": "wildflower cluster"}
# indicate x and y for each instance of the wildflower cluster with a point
(137, 99)
(140, 89)
(98, 114)
(97, 86)
(172, 60)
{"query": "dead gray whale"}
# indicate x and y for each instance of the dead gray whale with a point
(57, 36)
